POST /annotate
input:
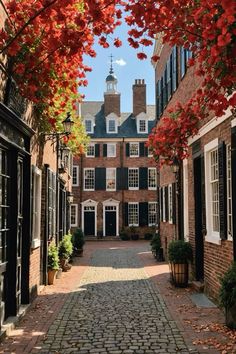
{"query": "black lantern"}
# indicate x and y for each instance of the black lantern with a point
(175, 166)
(68, 124)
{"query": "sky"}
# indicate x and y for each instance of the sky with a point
(127, 67)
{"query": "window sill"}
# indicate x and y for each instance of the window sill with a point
(35, 243)
(133, 189)
(89, 190)
(213, 239)
(152, 188)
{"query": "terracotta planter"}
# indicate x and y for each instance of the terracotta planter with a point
(179, 274)
(51, 276)
(230, 317)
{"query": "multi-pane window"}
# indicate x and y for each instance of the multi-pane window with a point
(75, 176)
(90, 150)
(152, 178)
(229, 192)
(111, 126)
(36, 204)
(214, 190)
(133, 212)
(133, 178)
(111, 150)
(89, 179)
(163, 204)
(152, 213)
(170, 203)
(142, 126)
(88, 126)
(51, 204)
(110, 179)
(134, 149)
(74, 215)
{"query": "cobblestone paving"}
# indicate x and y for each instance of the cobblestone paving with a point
(115, 310)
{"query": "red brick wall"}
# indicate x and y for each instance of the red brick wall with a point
(112, 104)
(34, 271)
(139, 97)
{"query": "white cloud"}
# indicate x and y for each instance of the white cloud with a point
(120, 62)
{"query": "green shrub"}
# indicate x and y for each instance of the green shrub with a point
(78, 240)
(180, 252)
(53, 259)
(124, 236)
(65, 247)
(156, 242)
(148, 236)
(227, 295)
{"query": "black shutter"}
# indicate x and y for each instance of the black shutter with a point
(119, 184)
(141, 149)
(104, 150)
(233, 164)
(126, 214)
(32, 199)
(161, 95)
(174, 68)
(168, 79)
(97, 150)
(127, 149)
(100, 178)
(165, 88)
(183, 66)
(145, 151)
(125, 177)
(166, 203)
(204, 230)
(222, 190)
(161, 204)
(143, 178)
(174, 202)
(158, 99)
(143, 214)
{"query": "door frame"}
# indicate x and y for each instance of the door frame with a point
(114, 203)
(87, 203)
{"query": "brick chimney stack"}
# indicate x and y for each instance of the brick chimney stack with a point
(139, 97)
(112, 103)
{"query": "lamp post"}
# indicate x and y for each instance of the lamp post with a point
(56, 137)
(176, 169)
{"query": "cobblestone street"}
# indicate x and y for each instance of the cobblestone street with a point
(108, 304)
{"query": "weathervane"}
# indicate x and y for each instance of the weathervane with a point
(111, 69)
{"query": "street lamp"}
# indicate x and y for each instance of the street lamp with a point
(67, 124)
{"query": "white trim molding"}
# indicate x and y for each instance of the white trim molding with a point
(113, 203)
(87, 203)
(76, 215)
(233, 123)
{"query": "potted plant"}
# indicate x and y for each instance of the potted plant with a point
(78, 242)
(157, 250)
(227, 296)
(148, 236)
(53, 262)
(180, 253)
(133, 233)
(65, 252)
(124, 235)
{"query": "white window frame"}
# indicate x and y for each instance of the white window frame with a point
(137, 169)
(229, 192)
(91, 121)
(37, 193)
(151, 223)
(132, 224)
(110, 169)
(89, 169)
(211, 236)
(151, 188)
(164, 204)
(150, 154)
(170, 203)
(130, 149)
(91, 145)
(76, 215)
(109, 145)
(75, 168)
(146, 126)
(108, 125)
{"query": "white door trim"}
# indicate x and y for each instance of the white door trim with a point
(114, 203)
(84, 204)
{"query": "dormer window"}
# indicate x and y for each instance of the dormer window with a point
(88, 126)
(112, 126)
(142, 126)
(142, 123)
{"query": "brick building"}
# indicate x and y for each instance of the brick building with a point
(199, 206)
(115, 183)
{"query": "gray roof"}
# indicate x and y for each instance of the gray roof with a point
(111, 77)
(127, 129)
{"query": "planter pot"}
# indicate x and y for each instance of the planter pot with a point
(65, 265)
(230, 317)
(59, 273)
(179, 274)
(134, 237)
(51, 276)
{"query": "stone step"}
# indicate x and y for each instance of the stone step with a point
(198, 286)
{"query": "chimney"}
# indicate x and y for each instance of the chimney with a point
(139, 97)
(112, 103)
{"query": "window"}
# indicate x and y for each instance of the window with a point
(74, 215)
(133, 178)
(133, 214)
(110, 179)
(152, 213)
(4, 204)
(229, 192)
(152, 178)
(134, 149)
(142, 126)
(212, 192)
(75, 176)
(111, 126)
(111, 150)
(88, 126)
(170, 204)
(163, 204)
(150, 154)
(90, 150)
(89, 179)
(36, 204)
(51, 204)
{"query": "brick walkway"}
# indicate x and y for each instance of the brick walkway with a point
(109, 303)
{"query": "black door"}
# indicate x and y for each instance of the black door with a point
(199, 242)
(89, 223)
(110, 223)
